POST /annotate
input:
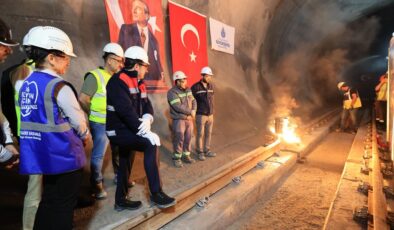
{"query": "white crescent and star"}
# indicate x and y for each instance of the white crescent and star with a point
(190, 27)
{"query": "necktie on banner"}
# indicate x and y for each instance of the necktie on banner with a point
(188, 41)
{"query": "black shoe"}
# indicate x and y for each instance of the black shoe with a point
(162, 200)
(127, 204)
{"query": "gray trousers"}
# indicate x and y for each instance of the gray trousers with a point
(182, 130)
(32, 200)
(204, 132)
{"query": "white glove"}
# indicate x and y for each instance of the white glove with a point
(153, 138)
(146, 121)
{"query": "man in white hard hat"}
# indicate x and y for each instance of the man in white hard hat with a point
(93, 99)
(129, 119)
(350, 107)
(182, 110)
(8, 153)
(203, 93)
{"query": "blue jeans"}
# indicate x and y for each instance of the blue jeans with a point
(349, 114)
(100, 143)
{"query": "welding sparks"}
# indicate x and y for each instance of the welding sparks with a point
(286, 131)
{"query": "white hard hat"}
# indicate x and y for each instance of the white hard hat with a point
(340, 84)
(26, 39)
(179, 75)
(114, 48)
(206, 70)
(51, 38)
(137, 52)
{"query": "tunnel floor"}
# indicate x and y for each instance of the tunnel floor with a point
(303, 200)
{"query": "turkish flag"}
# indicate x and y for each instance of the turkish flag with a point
(188, 41)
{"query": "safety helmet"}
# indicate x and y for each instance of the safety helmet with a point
(206, 70)
(51, 38)
(137, 52)
(6, 35)
(340, 84)
(114, 48)
(26, 39)
(179, 75)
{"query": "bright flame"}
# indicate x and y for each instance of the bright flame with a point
(288, 133)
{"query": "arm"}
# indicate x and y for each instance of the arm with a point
(354, 98)
(118, 96)
(89, 88)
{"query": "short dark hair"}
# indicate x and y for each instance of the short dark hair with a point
(39, 54)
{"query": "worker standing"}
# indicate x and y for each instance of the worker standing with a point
(93, 99)
(182, 110)
(53, 129)
(203, 93)
(8, 153)
(381, 99)
(129, 118)
(350, 107)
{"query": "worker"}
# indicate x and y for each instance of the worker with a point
(183, 108)
(381, 98)
(351, 104)
(8, 153)
(129, 119)
(203, 93)
(93, 99)
(53, 129)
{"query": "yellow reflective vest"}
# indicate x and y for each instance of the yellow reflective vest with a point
(98, 104)
(381, 95)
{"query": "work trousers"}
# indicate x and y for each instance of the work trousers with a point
(352, 114)
(380, 108)
(182, 130)
(151, 165)
(58, 201)
(204, 132)
(100, 144)
(115, 159)
(32, 200)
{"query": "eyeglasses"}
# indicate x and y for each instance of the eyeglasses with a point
(143, 64)
(117, 60)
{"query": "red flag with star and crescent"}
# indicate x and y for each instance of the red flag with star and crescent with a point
(188, 41)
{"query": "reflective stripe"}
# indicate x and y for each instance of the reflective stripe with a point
(182, 95)
(175, 101)
(110, 108)
(210, 91)
(97, 114)
(50, 126)
(133, 90)
(144, 95)
(102, 80)
(110, 133)
(201, 91)
(186, 153)
(100, 95)
(177, 155)
(189, 94)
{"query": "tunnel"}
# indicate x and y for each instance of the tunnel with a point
(288, 58)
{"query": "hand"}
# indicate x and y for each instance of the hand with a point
(152, 137)
(12, 149)
(87, 139)
(194, 113)
(145, 125)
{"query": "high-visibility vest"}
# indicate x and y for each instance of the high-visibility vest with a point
(381, 95)
(98, 104)
(30, 65)
(48, 143)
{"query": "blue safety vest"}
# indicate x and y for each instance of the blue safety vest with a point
(48, 144)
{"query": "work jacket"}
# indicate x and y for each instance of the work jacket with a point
(204, 98)
(181, 102)
(98, 103)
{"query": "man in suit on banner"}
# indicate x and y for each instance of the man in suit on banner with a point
(139, 34)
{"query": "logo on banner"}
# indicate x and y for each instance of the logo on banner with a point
(222, 42)
(28, 98)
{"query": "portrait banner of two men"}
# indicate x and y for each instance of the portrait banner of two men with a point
(140, 23)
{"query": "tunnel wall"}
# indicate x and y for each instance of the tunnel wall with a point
(275, 42)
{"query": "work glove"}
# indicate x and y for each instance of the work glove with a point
(146, 122)
(153, 138)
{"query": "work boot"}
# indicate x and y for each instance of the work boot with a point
(201, 156)
(100, 193)
(178, 163)
(127, 204)
(188, 159)
(162, 200)
(210, 154)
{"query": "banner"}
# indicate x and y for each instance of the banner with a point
(188, 41)
(140, 23)
(222, 36)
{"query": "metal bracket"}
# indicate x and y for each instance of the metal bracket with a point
(203, 202)
(237, 179)
(365, 170)
(364, 188)
(360, 215)
(388, 191)
(260, 164)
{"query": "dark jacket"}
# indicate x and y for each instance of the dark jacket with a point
(125, 105)
(204, 98)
